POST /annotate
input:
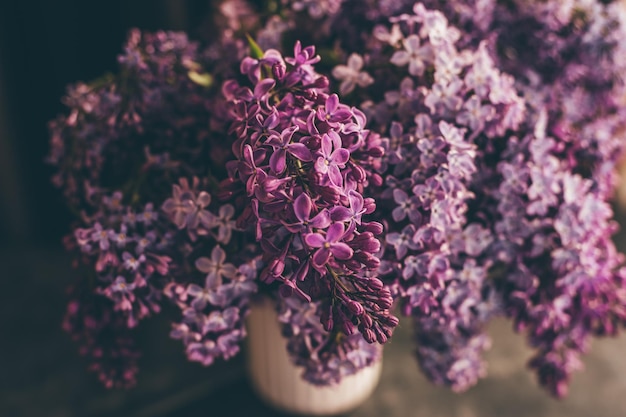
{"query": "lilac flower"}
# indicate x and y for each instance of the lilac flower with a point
(121, 238)
(215, 268)
(353, 213)
(414, 54)
(475, 115)
(283, 146)
(403, 241)
(406, 206)
(334, 112)
(351, 75)
(218, 321)
(202, 296)
(178, 206)
(204, 352)
(132, 263)
(331, 158)
(444, 95)
(329, 245)
(148, 215)
(302, 207)
(101, 236)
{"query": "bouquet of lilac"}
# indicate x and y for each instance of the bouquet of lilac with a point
(462, 172)
(173, 209)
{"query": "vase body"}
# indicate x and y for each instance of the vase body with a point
(278, 381)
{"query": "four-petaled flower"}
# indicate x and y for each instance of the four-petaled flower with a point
(133, 263)
(215, 268)
(414, 54)
(332, 157)
(283, 145)
(351, 75)
(101, 236)
(329, 245)
(302, 208)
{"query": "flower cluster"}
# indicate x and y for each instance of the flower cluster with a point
(324, 356)
(564, 281)
(125, 249)
(212, 294)
(463, 171)
(567, 58)
(290, 173)
(303, 160)
(451, 105)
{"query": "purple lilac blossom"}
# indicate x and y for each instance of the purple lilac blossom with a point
(325, 357)
(518, 227)
(313, 162)
(128, 273)
(435, 253)
(567, 59)
(117, 153)
(303, 161)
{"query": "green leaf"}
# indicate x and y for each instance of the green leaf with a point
(204, 79)
(255, 49)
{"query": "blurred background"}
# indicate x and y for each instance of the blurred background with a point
(45, 45)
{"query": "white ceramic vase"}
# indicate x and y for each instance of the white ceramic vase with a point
(279, 382)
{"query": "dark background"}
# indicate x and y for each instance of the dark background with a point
(45, 45)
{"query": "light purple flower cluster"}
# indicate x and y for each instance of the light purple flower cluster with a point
(212, 293)
(564, 281)
(567, 58)
(448, 103)
(303, 160)
(123, 248)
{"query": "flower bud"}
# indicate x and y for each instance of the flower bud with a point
(321, 82)
(367, 321)
(347, 327)
(369, 336)
(374, 227)
(369, 204)
(358, 172)
(375, 284)
(278, 70)
(376, 151)
(391, 321)
(380, 336)
(355, 307)
(376, 180)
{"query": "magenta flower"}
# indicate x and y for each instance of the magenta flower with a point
(302, 208)
(329, 245)
(282, 146)
(353, 213)
(334, 113)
